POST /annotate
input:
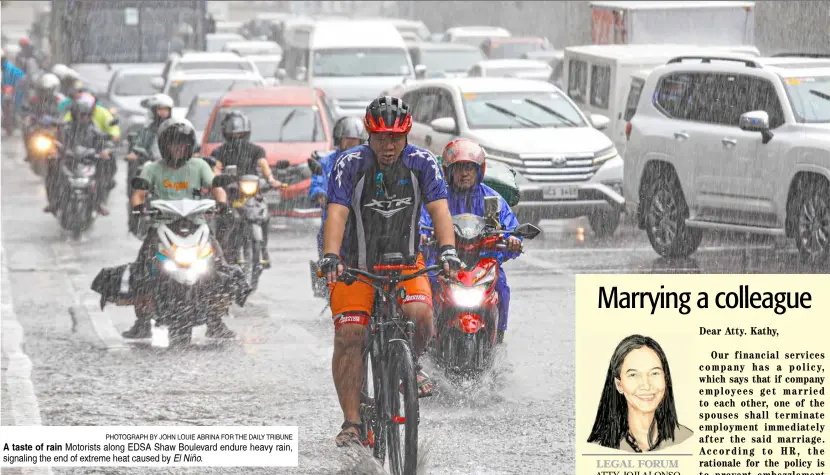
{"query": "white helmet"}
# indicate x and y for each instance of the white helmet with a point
(72, 74)
(161, 100)
(49, 81)
(60, 70)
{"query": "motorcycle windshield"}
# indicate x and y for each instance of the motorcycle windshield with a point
(468, 227)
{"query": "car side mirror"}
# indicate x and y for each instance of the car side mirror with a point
(756, 121)
(599, 121)
(444, 125)
(420, 71)
(157, 83)
(139, 183)
(145, 103)
(527, 231)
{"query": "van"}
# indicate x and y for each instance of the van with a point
(352, 61)
(598, 77)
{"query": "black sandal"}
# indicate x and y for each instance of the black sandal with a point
(345, 437)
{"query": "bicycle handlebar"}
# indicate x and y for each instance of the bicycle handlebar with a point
(385, 278)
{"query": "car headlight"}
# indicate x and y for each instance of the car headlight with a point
(249, 187)
(42, 144)
(468, 296)
(604, 155)
(501, 156)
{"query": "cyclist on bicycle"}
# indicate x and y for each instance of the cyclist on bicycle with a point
(375, 193)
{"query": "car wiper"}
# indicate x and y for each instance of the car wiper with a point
(512, 114)
(820, 94)
(285, 122)
(551, 111)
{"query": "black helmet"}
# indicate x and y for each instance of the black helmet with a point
(236, 123)
(83, 104)
(349, 127)
(388, 114)
(173, 132)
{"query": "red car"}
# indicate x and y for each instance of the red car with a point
(289, 122)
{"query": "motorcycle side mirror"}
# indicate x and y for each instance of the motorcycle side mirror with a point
(139, 183)
(491, 211)
(283, 164)
(527, 231)
(315, 167)
(221, 181)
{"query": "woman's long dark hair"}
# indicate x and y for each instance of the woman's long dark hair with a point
(611, 423)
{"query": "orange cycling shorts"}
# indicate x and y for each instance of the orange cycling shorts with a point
(352, 304)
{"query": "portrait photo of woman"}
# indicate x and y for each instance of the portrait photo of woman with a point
(636, 410)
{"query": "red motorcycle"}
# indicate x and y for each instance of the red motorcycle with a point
(8, 109)
(467, 311)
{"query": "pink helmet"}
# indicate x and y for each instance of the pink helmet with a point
(463, 150)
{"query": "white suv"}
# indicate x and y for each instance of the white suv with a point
(734, 144)
(564, 166)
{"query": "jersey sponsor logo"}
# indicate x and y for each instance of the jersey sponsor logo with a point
(389, 208)
(178, 186)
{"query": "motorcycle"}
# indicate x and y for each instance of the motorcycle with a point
(8, 110)
(467, 310)
(249, 219)
(40, 144)
(78, 186)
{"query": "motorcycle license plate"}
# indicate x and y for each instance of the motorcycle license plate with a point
(560, 192)
(273, 198)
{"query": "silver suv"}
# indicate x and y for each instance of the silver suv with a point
(734, 144)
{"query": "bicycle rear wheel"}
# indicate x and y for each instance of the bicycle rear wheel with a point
(401, 408)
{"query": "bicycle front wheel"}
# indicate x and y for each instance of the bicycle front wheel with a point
(401, 410)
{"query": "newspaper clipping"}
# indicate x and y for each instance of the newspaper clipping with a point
(702, 374)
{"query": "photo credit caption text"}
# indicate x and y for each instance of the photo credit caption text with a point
(747, 372)
(150, 446)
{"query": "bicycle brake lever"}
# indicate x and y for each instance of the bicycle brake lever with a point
(347, 278)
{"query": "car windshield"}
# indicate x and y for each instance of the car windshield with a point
(199, 112)
(134, 85)
(361, 62)
(507, 110)
(450, 61)
(276, 124)
(267, 67)
(214, 65)
(514, 50)
(810, 98)
(183, 91)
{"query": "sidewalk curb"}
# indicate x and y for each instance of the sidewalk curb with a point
(17, 374)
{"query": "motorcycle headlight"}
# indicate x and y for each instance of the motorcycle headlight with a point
(42, 144)
(185, 256)
(249, 187)
(468, 296)
(79, 181)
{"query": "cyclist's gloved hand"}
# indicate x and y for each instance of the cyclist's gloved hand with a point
(331, 266)
(449, 257)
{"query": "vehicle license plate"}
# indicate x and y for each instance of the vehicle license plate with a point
(560, 192)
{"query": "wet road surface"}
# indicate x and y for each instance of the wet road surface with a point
(518, 420)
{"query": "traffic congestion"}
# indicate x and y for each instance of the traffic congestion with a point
(327, 220)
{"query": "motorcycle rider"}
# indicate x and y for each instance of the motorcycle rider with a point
(80, 131)
(13, 76)
(375, 191)
(29, 58)
(105, 122)
(248, 157)
(464, 166)
(175, 177)
(160, 107)
(70, 79)
(45, 102)
(349, 132)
